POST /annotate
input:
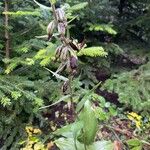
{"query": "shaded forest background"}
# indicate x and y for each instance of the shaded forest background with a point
(111, 83)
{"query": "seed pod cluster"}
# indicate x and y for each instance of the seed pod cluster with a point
(65, 53)
(62, 21)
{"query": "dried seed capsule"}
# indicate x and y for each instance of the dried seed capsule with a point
(61, 28)
(61, 55)
(73, 62)
(60, 15)
(77, 46)
(65, 86)
(58, 51)
(50, 29)
(68, 68)
(74, 46)
(64, 53)
(65, 23)
(82, 44)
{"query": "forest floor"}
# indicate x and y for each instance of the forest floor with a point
(117, 129)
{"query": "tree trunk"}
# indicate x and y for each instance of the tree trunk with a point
(7, 36)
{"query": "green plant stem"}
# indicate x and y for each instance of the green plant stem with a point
(54, 13)
(71, 77)
(75, 144)
(85, 147)
(71, 96)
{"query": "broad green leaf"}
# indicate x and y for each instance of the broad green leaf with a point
(88, 132)
(137, 148)
(68, 131)
(86, 97)
(81, 103)
(64, 131)
(102, 145)
(68, 144)
(134, 142)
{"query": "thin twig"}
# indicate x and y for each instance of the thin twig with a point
(71, 96)
(118, 138)
(113, 130)
(145, 142)
(121, 131)
(54, 13)
(72, 19)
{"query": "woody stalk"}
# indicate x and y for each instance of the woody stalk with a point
(66, 52)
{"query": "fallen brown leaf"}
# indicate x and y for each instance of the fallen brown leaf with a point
(117, 145)
(50, 145)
